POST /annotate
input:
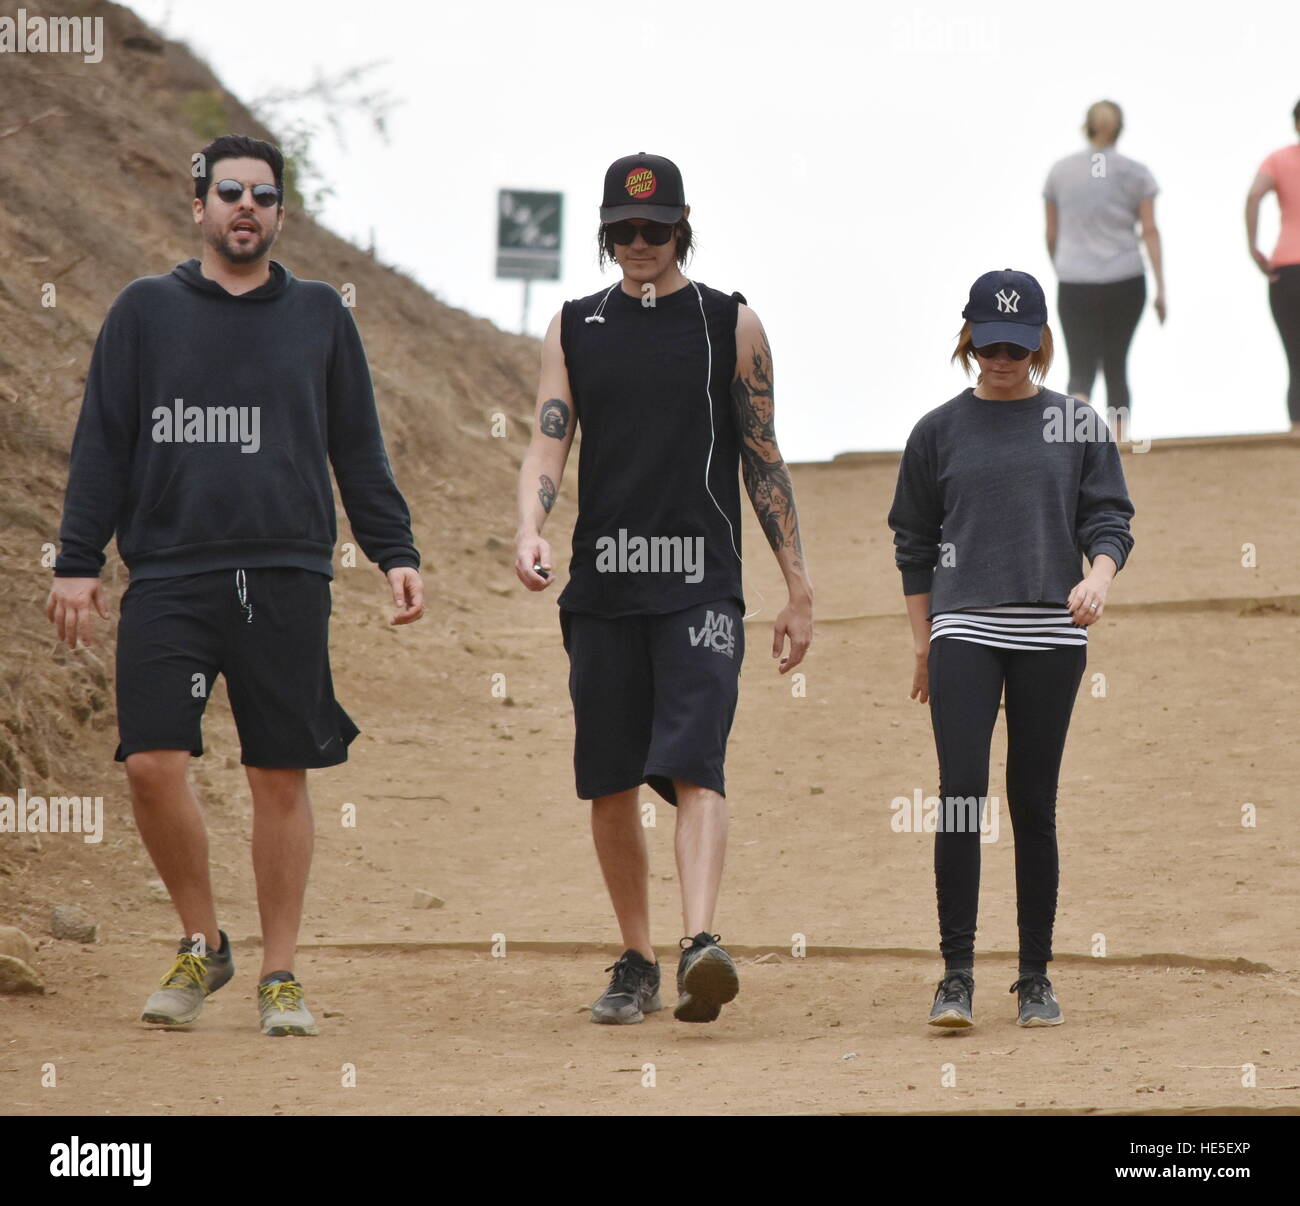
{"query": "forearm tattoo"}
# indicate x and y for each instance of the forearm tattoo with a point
(546, 493)
(554, 419)
(766, 477)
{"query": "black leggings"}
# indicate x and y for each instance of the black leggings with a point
(966, 682)
(1284, 301)
(1099, 321)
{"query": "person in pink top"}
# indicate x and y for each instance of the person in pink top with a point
(1280, 173)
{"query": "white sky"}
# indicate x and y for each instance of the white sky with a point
(851, 168)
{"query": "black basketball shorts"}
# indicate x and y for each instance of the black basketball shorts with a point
(266, 630)
(653, 697)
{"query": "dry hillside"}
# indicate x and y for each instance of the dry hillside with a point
(94, 191)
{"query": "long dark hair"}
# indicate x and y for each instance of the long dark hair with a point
(685, 244)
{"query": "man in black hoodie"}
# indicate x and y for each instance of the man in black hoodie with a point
(218, 397)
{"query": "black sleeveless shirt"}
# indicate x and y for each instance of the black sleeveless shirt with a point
(648, 538)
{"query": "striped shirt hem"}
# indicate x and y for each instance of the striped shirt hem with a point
(1025, 627)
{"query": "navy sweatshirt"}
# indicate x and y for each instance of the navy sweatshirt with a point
(993, 507)
(208, 428)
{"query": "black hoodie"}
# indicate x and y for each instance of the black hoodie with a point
(208, 427)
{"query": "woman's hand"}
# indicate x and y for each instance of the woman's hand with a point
(921, 677)
(1261, 262)
(1087, 601)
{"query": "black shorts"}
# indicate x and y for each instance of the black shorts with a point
(653, 697)
(266, 630)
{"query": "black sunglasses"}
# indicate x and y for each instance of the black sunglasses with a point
(654, 233)
(1012, 351)
(231, 191)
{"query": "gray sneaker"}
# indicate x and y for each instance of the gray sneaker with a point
(632, 993)
(279, 999)
(1037, 1001)
(952, 1006)
(191, 980)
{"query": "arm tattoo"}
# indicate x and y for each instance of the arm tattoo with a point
(766, 477)
(554, 419)
(546, 493)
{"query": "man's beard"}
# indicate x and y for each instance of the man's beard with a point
(223, 244)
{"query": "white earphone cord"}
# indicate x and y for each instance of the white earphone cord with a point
(708, 399)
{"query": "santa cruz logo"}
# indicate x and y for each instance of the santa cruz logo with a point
(1008, 304)
(718, 633)
(640, 183)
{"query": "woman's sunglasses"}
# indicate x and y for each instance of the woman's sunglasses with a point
(654, 233)
(1012, 351)
(231, 191)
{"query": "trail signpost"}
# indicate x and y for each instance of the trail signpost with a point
(528, 239)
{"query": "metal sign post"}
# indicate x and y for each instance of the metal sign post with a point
(528, 239)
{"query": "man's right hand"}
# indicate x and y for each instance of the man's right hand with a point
(531, 551)
(70, 606)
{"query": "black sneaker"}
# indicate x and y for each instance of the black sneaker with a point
(1038, 1003)
(706, 979)
(952, 1001)
(632, 993)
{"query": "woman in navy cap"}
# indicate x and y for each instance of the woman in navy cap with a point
(1001, 492)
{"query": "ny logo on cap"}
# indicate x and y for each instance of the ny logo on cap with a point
(1008, 305)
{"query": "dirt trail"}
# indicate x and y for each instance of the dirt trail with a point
(470, 796)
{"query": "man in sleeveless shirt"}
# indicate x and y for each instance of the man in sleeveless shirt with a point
(671, 383)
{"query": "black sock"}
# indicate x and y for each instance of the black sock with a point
(1033, 967)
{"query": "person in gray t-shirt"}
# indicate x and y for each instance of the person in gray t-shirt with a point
(1095, 200)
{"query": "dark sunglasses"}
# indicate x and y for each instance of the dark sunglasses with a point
(231, 191)
(654, 233)
(1012, 351)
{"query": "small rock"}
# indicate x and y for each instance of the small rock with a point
(847, 1054)
(72, 923)
(15, 943)
(426, 900)
(158, 890)
(17, 976)
(770, 957)
(334, 1013)
(816, 791)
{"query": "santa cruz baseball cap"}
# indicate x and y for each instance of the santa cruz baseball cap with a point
(643, 186)
(1006, 306)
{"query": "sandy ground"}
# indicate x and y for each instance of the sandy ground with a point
(470, 796)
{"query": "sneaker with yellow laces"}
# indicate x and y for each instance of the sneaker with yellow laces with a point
(192, 979)
(279, 998)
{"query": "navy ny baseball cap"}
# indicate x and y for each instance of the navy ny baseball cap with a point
(1006, 307)
(643, 186)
